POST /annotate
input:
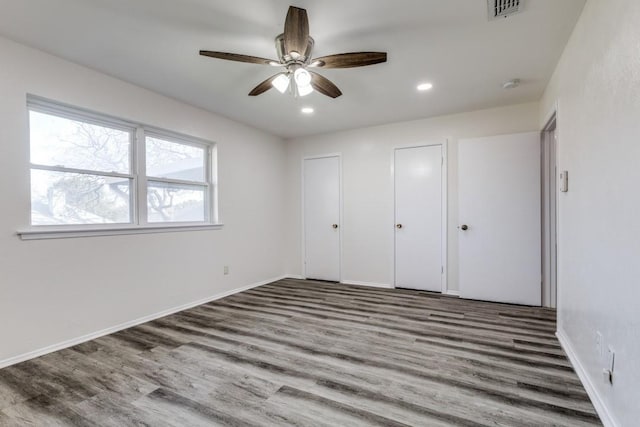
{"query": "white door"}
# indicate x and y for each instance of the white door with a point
(322, 218)
(500, 228)
(418, 216)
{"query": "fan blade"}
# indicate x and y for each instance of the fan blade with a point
(264, 86)
(349, 60)
(324, 85)
(296, 31)
(237, 57)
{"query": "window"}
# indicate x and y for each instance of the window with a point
(177, 185)
(95, 172)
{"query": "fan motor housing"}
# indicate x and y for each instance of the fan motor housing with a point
(284, 58)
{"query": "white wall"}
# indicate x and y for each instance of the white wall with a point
(368, 189)
(597, 87)
(57, 290)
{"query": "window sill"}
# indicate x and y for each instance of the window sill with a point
(68, 233)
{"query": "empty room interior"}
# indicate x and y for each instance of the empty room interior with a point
(320, 213)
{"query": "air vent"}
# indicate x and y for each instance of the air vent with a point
(503, 8)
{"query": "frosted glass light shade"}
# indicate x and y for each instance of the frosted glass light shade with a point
(304, 90)
(303, 81)
(302, 76)
(281, 83)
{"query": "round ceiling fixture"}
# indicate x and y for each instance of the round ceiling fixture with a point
(307, 110)
(511, 84)
(422, 87)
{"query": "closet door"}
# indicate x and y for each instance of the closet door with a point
(500, 226)
(322, 218)
(418, 218)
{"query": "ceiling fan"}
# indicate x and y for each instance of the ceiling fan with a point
(294, 48)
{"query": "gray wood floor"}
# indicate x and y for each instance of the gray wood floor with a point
(311, 353)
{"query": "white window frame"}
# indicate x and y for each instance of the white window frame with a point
(137, 174)
(144, 178)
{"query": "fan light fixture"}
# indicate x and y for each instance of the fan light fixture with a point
(303, 81)
(281, 83)
(302, 76)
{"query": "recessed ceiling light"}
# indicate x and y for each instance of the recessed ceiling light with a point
(307, 110)
(424, 86)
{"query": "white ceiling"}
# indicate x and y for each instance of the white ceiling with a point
(155, 44)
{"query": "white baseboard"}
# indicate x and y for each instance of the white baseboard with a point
(370, 284)
(598, 403)
(452, 293)
(294, 276)
(88, 337)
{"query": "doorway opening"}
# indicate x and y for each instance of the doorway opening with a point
(549, 143)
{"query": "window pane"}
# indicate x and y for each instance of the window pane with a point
(59, 198)
(175, 203)
(57, 141)
(166, 159)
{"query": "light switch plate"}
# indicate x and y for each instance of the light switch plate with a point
(611, 360)
(564, 181)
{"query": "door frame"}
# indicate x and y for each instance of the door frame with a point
(444, 281)
(340, 209)
(549, 177)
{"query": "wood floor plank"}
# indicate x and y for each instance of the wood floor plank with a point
(298, 352)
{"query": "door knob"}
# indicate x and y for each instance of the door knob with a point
(464, 227)
(335, 226)
(398, 226)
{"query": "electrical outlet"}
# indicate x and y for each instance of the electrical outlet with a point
(599, 345)
(226, 270)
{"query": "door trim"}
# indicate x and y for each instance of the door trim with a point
(444, 281)
(549, 178)
(341, 222)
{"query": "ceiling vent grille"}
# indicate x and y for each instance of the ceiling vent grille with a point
(503, 8)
